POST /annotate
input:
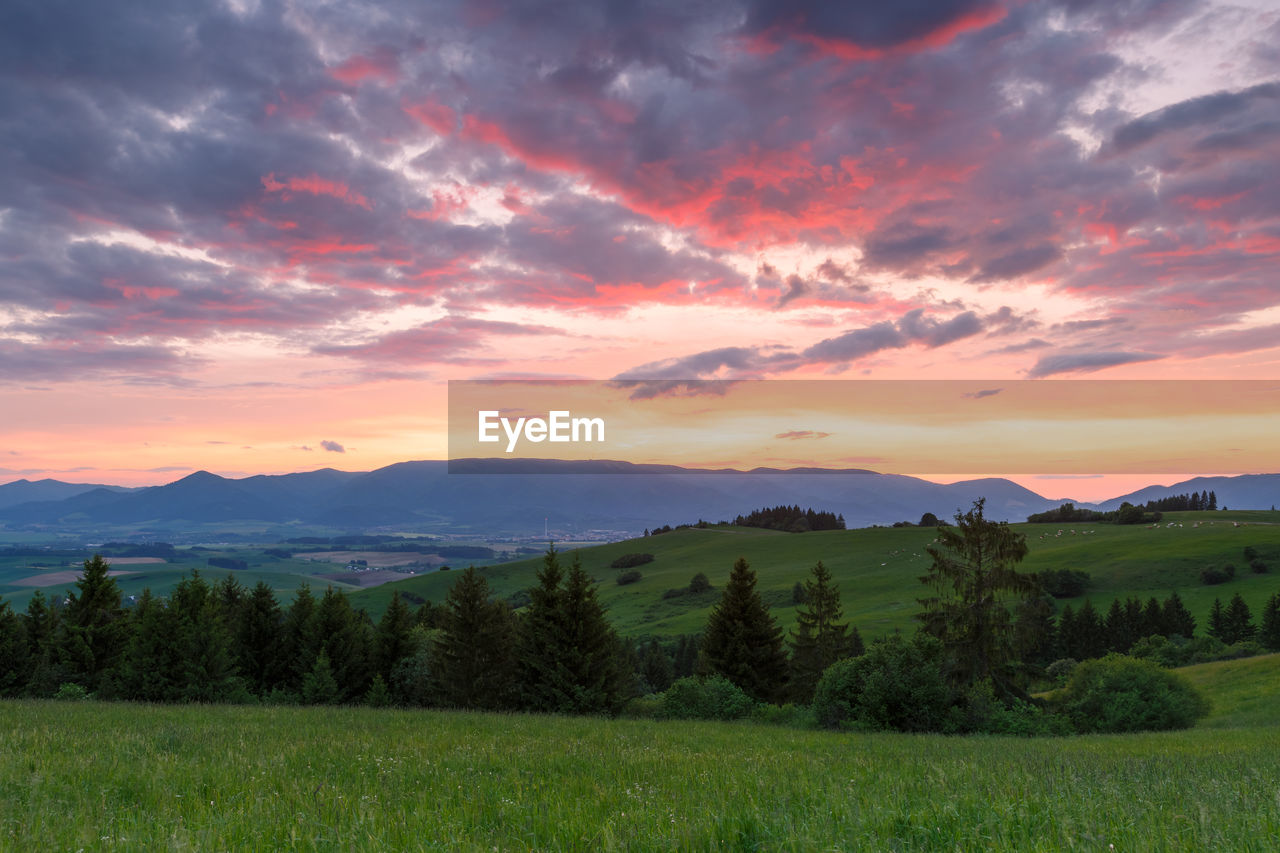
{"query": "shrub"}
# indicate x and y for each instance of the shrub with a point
(629, 577)
(1060, 670)
(897, 684)
(1123, 694)
(72, 692)
(1213, 577)
(711, 698)
(789, 715)
(982, 712)
(643, 708)
(699, 583)
(630, 561)
(1258, 566)
(1064, 583)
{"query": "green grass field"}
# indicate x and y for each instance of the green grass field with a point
(877, 569)
(129, 777)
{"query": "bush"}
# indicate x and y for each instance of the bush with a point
(897, 684)
(643, 708)
(1213, 577)
(72, 692)
(711, 698)
(1258, 567)
(789, 715)
(981, 712)
(1123, 694)
(629, 577)
(1060, 670)
(630, 561)
(699, 583)
(1064, 583)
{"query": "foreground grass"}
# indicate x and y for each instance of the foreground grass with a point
(118, 776)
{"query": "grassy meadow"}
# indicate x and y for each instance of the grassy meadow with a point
(878, 569)
(98, 776)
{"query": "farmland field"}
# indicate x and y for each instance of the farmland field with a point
(127, 777)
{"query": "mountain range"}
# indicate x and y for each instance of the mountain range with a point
(520, 496)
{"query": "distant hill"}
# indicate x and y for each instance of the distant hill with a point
(516, 495)
(500, 496)
(1248, 491)
(27, 491)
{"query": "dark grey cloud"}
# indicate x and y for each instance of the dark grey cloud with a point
(986, 392)
(873, 25)
(1204, 110)
(332, 446)
(1086, 362)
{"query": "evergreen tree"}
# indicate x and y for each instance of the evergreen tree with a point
(686, 657)
(1270, 634)
(94, 630)
(1152, 619)
(153, 660)
(820, 638)
(656, 668)
(1176, 619)
(594, 654)
(1238, 624)
(300, 639)
(258, 632)
(1217, 621)
(42, 630)
(14, 652)
(1068, 636)
(345, 637)
(974, 584)
(1090, 638)
(208, 672)
(742, 641)
(319, 687)
(544, 681)
(394, 638)
(1118, 636)
(475, 651)
(1035, 634)
(1213, 500)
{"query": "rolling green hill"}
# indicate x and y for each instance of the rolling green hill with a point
(878, 568)
(1243, 692)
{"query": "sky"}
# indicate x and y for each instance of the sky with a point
(258, 237)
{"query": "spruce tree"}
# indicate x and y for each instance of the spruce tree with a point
(544, 680)
(1270, 634)
(656, 668)
(475, 651)
(1176, 619)
(742, 641)
(14, 652)
(42, 629)
(974, 584)
(1238, 624)
(258, 634)
(594, 654)
(1090, 639)
(1035, 634)
(300, 639)
(820, 638)
(1116, 626)
(1068, 636)
(319, 687)
(94, 629)
(345, 637)
(152, 665)
(208, 671)
(1152, 623)
(394, 639)
(1217, 621)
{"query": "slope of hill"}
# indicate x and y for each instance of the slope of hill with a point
(1248, 491)
(878, 569)
(1243, 692)
(28, 491)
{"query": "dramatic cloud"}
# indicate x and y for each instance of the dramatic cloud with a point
(1086, 362)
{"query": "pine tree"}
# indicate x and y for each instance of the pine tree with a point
(1034, 633)
(1270, 634)
(345, 636)
(1090, 638)
(42, 629)
(208, 670)
(258, 632)
(1176, 619)
(686, 657)
(974, 584)
(1116, 627)
(656, 668)
(820, 638)
(544, 681)
(1068, 636)
(1238, 624)
(475, 651)
(319, 687)
(94, 630)
(1217, 621)
(14, 652)
(300, 639)
(1213, 500)
(153, 662)
(742, 641)
(594, 654)
(394, 639)
(1152, 622)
